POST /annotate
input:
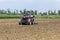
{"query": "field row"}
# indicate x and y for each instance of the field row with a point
(46, 29)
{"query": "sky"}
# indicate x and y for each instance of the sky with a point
(40, 5)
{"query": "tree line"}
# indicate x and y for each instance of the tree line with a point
(34, 12)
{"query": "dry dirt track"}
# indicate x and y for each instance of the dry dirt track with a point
(46, 29)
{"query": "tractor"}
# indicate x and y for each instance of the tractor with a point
(27, 18)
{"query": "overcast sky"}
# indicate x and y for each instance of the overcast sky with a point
(40, 5)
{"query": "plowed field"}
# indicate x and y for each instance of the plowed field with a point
(46, 29)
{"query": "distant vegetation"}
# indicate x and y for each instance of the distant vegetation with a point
(17, 14)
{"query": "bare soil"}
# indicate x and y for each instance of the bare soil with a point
(46, 29)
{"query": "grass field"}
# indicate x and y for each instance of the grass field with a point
(46, 29)
(10, 16)
(19, 16)
(48, 16)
